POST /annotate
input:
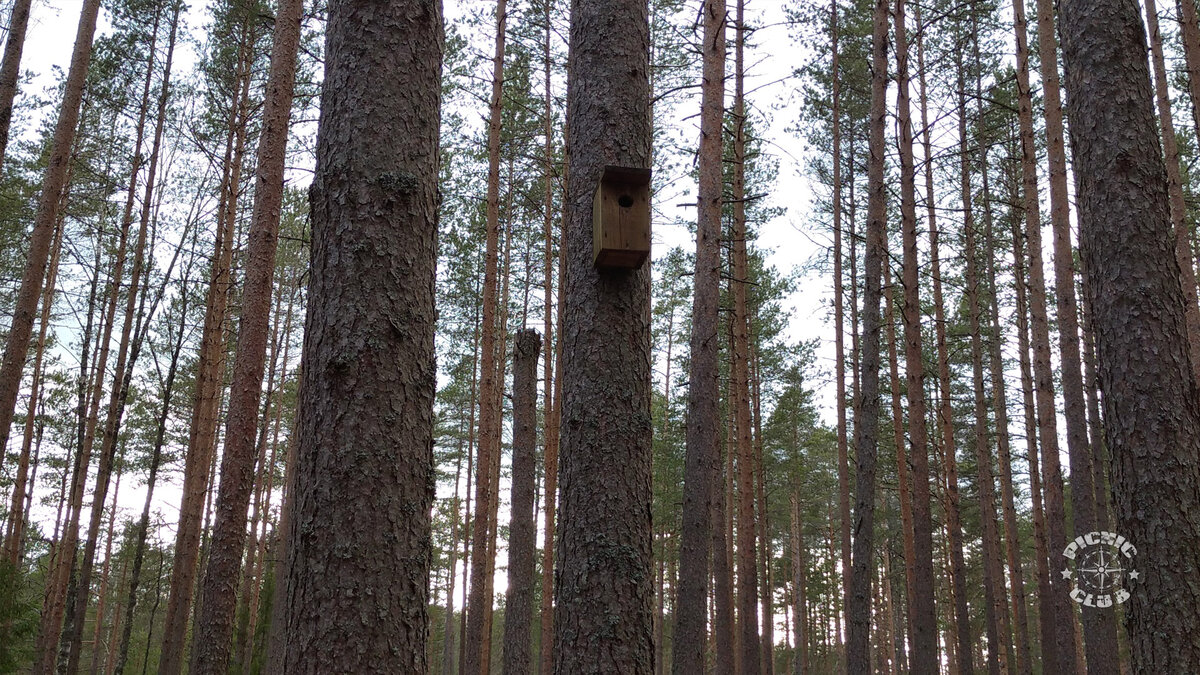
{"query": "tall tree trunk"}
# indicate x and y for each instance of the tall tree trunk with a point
(127, 355)
(477, 637)
(1041, 555)
(1012, 542)
(604, 548)
(866, 429)
(1042, 367)
(211, 644)
(365, 452)
(993, 576)
(518, 606)
(843, 456)
(799, 579)
(904, 481)
(702, 459)
(15, 530)
(750, 646)
(924, 618)
(1057, 641)
(1137, 301)
(1183, 248)
(210, 370)
(10, 67)
(549, 402)
(20, 332)
(59, 608)
(945, 412)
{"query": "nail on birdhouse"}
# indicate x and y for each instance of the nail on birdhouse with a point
(621, 218)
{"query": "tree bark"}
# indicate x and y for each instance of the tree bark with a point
(207, 392)
(211, 650)
(365, 452)
(1183, 248)
(477, 636)
(750, 646)
(10, 68)
(16, 348)
(702, 458)
(604, 582)
(922, 607)
(1012, 542)
(866, 431)
(518, 606)
(1151, 400)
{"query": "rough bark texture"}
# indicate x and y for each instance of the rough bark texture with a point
(866, 431)
(1151, 400)
(1099, 624)
(477, 638)
(701, 464)
(211, 650)
(16, 348)
(357, 596)
(522, 532)
(604, 581)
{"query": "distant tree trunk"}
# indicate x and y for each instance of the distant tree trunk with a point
(843, 455)
(1012, 542)
(15, 530)
(1042, 367)
(127, 355)
(151, 481)
(924, 619)
(477, 637)
(365, 452)
(211, 644)
(993, 575)
(722, 569)
(1057, 650)
(800, 606)
(20, 333)
(1189, 24)
(10, 68)
(522, 544)
(1041, 553)
(750, 646)
(22, 328)
(549, 402)
(702, 459)
(604, 547)
(207, 393)
(1151, 398)
(866, 430)
(1183, 248)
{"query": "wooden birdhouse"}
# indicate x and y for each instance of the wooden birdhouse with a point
(621, 218)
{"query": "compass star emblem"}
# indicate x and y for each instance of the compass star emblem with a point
(1103, 563)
